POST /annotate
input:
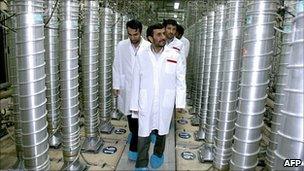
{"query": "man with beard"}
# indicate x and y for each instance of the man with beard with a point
(125, 56)
(172, 41)
(158, 84)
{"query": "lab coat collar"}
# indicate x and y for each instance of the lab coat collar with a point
(152, 55)
(131, 47)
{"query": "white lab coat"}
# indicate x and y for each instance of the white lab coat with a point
(178, 46)
(157, 86)
(186, 44)
(122, 71)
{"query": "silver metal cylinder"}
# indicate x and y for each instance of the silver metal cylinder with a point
(11, 38)
(257, 54)
(199, 72)
(230, 68)
(291, 142)
(105, 68)
(190, 76)
(51, 44)
(90, 86)
(281, 84)
(206, 76)
(117, 35)
(217, 55)
(196, 65)
(213, 92)
(31, 83)
(68, 31)
(124, 31)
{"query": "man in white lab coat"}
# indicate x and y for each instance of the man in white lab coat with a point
(172, 41)
(179, 35)
(158, 84)
(125, 55)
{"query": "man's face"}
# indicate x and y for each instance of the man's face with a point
(159, 38)
(170, 31)
(134, 35)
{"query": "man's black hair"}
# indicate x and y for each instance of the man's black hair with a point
(134, 24)
(151, 28)
(180, 29)
(169, 21)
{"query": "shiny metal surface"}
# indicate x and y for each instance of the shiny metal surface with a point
(199, 80)
(19, 164)
(124, 32)
(256, 57)
(105, 68)
(68, 31)
(189, 33)
(215, 74)
(51, 44)
(213, 92)
(89, 63)
(281, 84)
(31, 83)
(229, 88)
(197, 64)
(291, 142)
(206, 76)
(194, 31)
(117, 35)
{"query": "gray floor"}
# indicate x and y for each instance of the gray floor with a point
(169, 163)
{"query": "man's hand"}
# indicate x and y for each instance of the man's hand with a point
(115, 92)
(180, 110)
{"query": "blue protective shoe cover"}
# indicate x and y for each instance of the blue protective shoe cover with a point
(132, 155)
(156, 162)
(129, 138)
(141, 168)
(153, 138)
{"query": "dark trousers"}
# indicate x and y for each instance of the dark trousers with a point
(133, 127)
(143, 149)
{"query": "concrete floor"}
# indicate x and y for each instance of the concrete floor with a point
(119, 161)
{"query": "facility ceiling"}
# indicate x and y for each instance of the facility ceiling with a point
(152, 11)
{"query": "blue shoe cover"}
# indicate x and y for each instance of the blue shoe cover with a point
(156, 162)
(129, 138)
(141, 168)
(153, 138)
(132, 155)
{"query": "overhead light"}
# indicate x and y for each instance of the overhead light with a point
(176, 5)
(175, 16)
